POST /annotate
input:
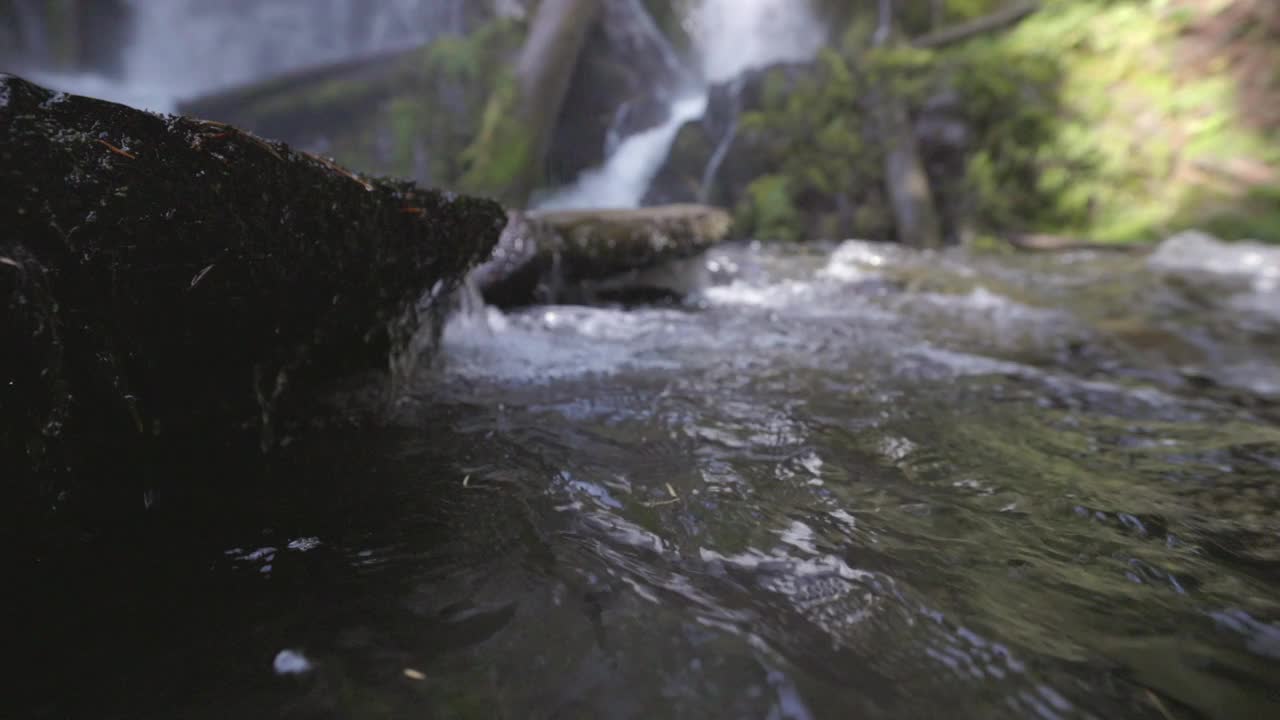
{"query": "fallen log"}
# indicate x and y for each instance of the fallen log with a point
(168, 282)
(590, 255)
(1060, 243)
(507, 157)
(915, 214)
(998, 20)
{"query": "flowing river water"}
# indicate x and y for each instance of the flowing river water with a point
(838, 481)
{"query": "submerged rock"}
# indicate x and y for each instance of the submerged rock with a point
(173, 285)
(584, 255)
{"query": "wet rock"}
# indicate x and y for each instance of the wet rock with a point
(712, 160)
(1196, 253)
(587, 255)
(623, 84)
(171, 283)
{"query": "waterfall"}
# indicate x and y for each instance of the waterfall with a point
(730, 37)
(726, 142)
(185, 48)
(733, 36)
(622, 181)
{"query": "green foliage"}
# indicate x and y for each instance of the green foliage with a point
(1082, 120)
(810, 131)
(1130, 122)
(767, 211)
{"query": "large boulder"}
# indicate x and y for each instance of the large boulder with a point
(593, 255)
(171, 285)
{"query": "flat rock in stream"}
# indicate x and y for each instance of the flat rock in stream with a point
(590, 255)
(177, 286)
(1196, 253)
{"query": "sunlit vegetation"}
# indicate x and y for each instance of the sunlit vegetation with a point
(1116, 121)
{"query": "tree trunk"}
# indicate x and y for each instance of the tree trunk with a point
(914, 213)
(910, 197)
(988, 23)
(508, 157)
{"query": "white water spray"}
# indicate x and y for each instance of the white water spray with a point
(734, 36)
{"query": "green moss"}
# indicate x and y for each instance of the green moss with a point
(497, 160)
(810, 133)
(767, 211)
(404, 114)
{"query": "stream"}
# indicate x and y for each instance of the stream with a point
(838, 481)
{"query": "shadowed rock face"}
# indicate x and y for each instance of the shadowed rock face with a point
(584, 255)
(624, 82)
(171, 283)
(711, 160)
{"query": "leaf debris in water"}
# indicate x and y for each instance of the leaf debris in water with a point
(200, 275)
(291, 662)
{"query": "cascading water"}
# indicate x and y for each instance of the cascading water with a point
(622, 181)
(185, 48)
(730, 37)
(734, 36)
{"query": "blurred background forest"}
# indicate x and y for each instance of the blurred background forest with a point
(1107, 121)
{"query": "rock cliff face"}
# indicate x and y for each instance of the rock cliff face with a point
(171, 283)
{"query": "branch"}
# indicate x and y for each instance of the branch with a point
(987, 23)
(1060, 243)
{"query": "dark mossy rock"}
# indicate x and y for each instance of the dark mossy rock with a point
(623, 83)
(756, 150)
(174, 285)
(681, 179)
(594, 255)
(713, 160)
(692, 172)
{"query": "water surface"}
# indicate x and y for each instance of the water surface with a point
(846, 481)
